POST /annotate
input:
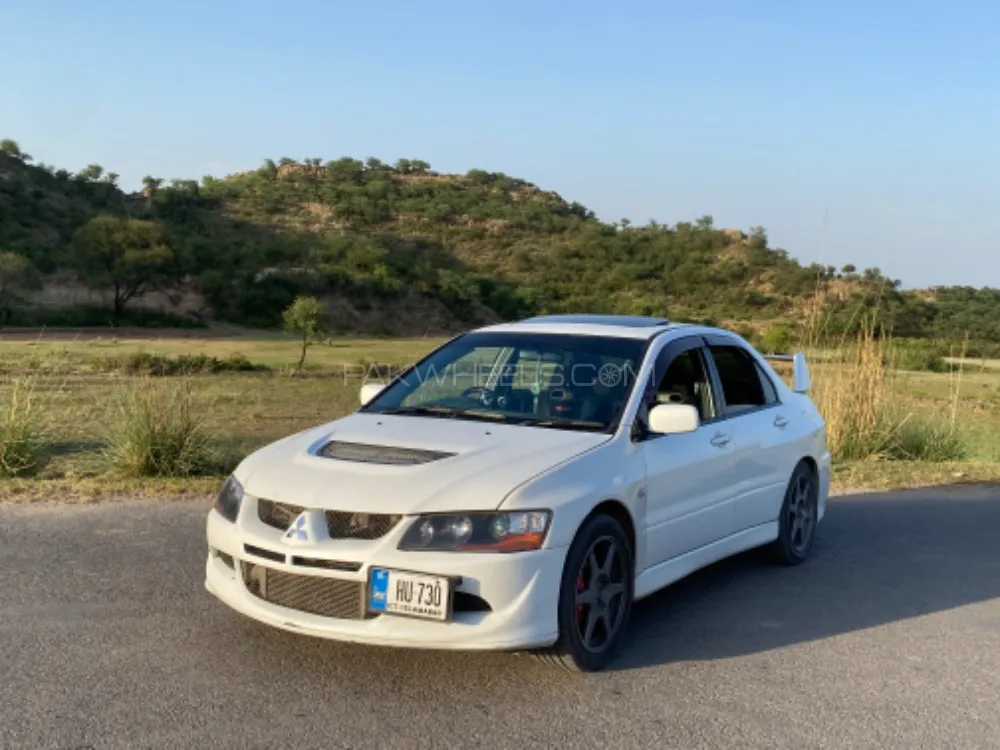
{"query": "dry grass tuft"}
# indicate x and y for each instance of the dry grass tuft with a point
(22, 432)
(156, 431)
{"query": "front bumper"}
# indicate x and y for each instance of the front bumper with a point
(521, 589)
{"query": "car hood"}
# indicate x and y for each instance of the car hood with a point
(486, 462)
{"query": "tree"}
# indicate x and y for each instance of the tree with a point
(90, 173)
(758, 237)
(17, 275)
(305, 318)
(10, 148)
(269, 169)
(151, 184)
(128, 255)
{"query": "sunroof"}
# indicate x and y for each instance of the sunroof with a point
(628, 321)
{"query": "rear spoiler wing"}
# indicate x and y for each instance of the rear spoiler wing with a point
(802, 382)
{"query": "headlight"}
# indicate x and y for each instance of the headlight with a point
(516, 531)
(229, 500)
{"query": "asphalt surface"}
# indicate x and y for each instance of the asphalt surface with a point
(888, 638)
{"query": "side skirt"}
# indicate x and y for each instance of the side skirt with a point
(655, 578)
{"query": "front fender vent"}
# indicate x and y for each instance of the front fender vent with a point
(379, 454)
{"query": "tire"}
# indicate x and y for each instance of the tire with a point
(797, 522)
(595, 597)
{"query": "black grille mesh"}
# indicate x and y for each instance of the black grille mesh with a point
(278, 515)
(344, 525)
(340, 524)
(327, 597)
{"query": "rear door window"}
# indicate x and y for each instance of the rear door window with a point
(739, 376)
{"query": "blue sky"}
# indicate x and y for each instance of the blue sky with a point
(877, 120)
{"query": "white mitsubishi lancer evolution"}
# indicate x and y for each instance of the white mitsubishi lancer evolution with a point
(521, 486)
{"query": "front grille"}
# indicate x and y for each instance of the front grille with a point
(327, 597)
(345, 525)
(340, 524)
(277, 515)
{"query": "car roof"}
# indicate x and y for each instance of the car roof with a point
(621, 326)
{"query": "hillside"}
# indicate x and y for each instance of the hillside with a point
(402, 249)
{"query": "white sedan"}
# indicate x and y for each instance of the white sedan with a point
(521, 486)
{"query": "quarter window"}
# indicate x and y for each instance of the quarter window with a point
(770, 394)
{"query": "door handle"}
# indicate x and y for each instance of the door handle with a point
(780, 422)
(721, 440)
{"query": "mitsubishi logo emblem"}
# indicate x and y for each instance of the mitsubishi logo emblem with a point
(308, 528)
(298, 530)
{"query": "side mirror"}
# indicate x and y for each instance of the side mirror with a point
(672, 419)
(370, 391)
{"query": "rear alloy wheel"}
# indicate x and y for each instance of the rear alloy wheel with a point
(595, 598)
(797, 524)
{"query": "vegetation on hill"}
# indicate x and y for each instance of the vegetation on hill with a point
(425, 250)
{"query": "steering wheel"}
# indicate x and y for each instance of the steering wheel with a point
(478, 393)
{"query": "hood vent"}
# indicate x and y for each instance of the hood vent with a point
(379, 454)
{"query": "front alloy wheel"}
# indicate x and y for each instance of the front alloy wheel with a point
(595, 598)
(600, 595)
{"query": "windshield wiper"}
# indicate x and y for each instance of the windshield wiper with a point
(423, 411)
(448, 411)
(565, 423)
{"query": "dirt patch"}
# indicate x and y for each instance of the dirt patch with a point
(93, 334)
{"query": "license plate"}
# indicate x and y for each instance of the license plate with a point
(399, 592)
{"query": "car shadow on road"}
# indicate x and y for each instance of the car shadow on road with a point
(876, 560)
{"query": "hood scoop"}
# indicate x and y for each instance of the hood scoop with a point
(379, 454)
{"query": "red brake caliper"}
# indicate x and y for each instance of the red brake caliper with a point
(579, 607)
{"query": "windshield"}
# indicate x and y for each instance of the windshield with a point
(538, 379)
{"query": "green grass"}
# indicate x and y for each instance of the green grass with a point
(48, 354)
(240, 411)
(948, 431)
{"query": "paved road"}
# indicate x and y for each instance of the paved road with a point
(889, 637)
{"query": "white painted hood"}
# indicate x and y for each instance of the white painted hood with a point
(490, 460)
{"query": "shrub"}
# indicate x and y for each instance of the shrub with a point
(145, 363)
(21, 430)
(155, 431)
(909, 437)
(777, 339)
(910, 354)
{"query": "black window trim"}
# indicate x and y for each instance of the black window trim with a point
(719, 340)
